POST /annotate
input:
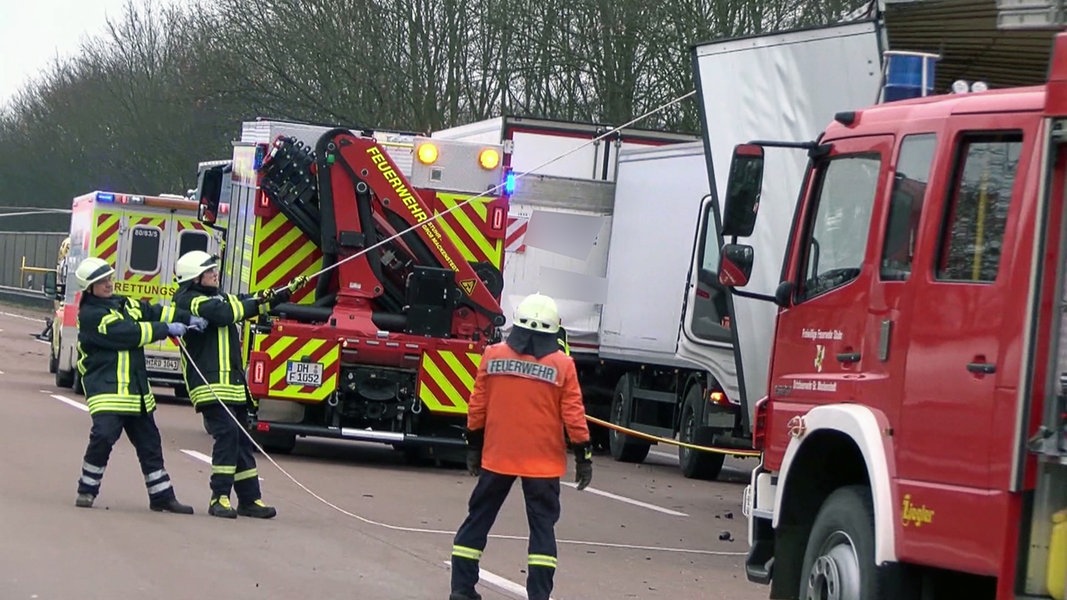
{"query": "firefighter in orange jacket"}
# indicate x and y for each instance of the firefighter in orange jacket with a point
(525, 396)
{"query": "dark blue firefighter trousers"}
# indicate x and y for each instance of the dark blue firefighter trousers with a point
(542, 513)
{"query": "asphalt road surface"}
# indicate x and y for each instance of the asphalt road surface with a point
(640, 531)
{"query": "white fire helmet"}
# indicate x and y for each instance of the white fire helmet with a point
(537, 312)
(91, 270)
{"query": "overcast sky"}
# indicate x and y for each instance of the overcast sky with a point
(33, 32)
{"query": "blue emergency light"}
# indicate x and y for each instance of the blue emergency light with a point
(908, 74)
(105, 197)
(509, 183)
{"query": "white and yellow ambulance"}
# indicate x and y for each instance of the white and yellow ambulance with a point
(142, 237)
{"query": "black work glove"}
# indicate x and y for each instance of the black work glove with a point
(583, 464)
(274, 298)
(474, 451)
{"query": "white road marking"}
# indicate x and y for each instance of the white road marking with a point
(665, 511)
(24, 317)
(500, 582)
(200, 456)
(65, 400)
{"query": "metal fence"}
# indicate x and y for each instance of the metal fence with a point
(30, 249)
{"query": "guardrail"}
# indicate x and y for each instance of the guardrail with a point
(25, 297)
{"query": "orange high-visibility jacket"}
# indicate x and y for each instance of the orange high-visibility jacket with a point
(524, 404)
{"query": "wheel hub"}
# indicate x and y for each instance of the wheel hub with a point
(835, 575)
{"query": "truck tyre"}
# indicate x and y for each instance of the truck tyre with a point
(696, 464)
(839, 559)
(623, 447)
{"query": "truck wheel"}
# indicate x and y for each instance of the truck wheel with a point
(839, 559)
(623, 447)
(696, 464)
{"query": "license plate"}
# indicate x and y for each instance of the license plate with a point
(161, 364)
(307, 374)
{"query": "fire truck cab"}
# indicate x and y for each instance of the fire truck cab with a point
(401, 238)
(913, 435)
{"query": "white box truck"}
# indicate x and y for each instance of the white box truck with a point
(610, 230)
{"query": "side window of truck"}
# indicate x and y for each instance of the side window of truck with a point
(906, 204)
(977, 209)
(837, 239)
(144, 249)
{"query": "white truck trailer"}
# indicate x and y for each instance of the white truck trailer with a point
(610, 231)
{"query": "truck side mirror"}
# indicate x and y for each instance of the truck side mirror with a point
(735, 265)
(50, 284)
(209, 193)
(743, 191)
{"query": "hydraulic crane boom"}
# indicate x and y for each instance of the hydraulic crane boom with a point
(348, 195)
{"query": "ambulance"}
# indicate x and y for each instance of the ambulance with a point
(142, 237)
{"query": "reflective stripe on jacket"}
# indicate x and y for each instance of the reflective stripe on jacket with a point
(216, 351)
(524, 404)
(112, 333)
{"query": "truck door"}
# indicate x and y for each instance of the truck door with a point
(891, 315)
(820, 336)
(145, 259)
(964, 308)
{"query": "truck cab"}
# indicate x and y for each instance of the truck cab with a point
(912, 434)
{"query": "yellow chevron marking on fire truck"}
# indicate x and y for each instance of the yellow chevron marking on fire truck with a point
(461, 371)
(287, 256)
(296, 349)
(445, 382)
(106, 236)
(488, 249)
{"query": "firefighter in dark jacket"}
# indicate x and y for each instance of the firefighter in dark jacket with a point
(219, 376)
(525, 397)
(112, 331)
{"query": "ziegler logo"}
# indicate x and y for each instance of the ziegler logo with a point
(911, 514)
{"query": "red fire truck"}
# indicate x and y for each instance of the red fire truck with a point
(913, 432)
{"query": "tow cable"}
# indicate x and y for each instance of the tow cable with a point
(663, 440)
(244, 430)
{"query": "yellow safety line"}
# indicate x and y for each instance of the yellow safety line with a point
(652, 438)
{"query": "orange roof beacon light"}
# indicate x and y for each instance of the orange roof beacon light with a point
(427, 153)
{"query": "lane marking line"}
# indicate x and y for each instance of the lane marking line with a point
(24, 317)
(200, 456)
(499, 582)
(592, 490)
(65, 400)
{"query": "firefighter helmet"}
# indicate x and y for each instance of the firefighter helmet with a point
(193, 264)
(91, 270)
(537, 312)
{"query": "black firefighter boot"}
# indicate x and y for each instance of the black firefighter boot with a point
(220, 507)
(256, 510)
(462, 596)
(170, 505)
